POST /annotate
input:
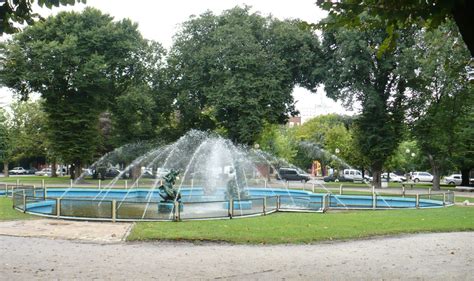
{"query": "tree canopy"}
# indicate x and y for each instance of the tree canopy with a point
(236, 71)
(400, 14)
(355, 72)
(20, 12)
(79, 63)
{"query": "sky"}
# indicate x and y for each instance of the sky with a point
(160, 20)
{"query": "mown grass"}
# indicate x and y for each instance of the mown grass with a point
(8, 213)
(282, 228)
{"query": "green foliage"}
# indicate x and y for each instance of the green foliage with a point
(79, 62)
(357, 73)
(20, 11)
(440, 100)
(400, 14)
(5, 145)
(236, 71)
(279, 141)
(27, 130)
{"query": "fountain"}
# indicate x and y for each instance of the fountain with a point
(200, 176)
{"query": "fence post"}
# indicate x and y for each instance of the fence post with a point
(24, 201)
(17, 182)
(444, 199)
(429, 193)
(176, 211)
(126, 184)
(192, 183)
(58, 207)
(304, 185)
(42, 183)
(264, 206)
(287, 184)
(70, 183)
(278, 203)
(34, 191)
(265, 183)
(374, 201)
(417, 203)
(114, 210)
(403, 190)
(229, 210)
(340, 189)
(312, 188)
(323, 203)
(100, 183)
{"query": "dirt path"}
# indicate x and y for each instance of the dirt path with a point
(441, 256)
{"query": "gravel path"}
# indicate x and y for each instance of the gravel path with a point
(440, 256)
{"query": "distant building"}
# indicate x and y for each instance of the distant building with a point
(294, 121)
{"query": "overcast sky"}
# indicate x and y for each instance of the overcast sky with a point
(160, 20)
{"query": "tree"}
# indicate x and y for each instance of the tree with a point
(441, 98)
(278, 141)
(395, 15)
(5, 144)
(236, 71)
(355, 72)
(27, 130)
(79, 63)
(20, 11)
(320, 137)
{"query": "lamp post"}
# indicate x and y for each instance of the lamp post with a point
(410, 166)
(337, 171)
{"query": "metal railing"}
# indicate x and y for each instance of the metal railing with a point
(28, 198)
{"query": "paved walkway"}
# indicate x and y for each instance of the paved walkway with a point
(103, 232)
(440, 256)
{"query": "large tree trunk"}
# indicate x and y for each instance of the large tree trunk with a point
(377, 175)
(54, 174)
(465, 176)
(77, 170)
(464, 21)
(135, 172)
(436, 171)
(5, 169)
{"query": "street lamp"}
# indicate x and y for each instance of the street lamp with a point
(410, 166)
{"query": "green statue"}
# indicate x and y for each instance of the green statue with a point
(168, 193)
(233, 191)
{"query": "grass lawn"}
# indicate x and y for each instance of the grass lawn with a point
(8, 213)
(306, 228)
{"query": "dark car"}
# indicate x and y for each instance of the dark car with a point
(291, 174)
(335, 178)
(31, 171)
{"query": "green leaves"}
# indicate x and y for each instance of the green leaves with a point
(237, 70)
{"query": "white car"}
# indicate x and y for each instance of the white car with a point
(454, 179)
(44, 172)
(422, 177)
(394, 177)
(18, 171)
(352, 174)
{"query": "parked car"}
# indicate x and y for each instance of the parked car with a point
(161, 172)
(291, 174)
(393, 177)
(44, 172)
(352, 175)
(31, 171)
(422, 177)
(454, 179)
(18, 171)
(334, 178)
